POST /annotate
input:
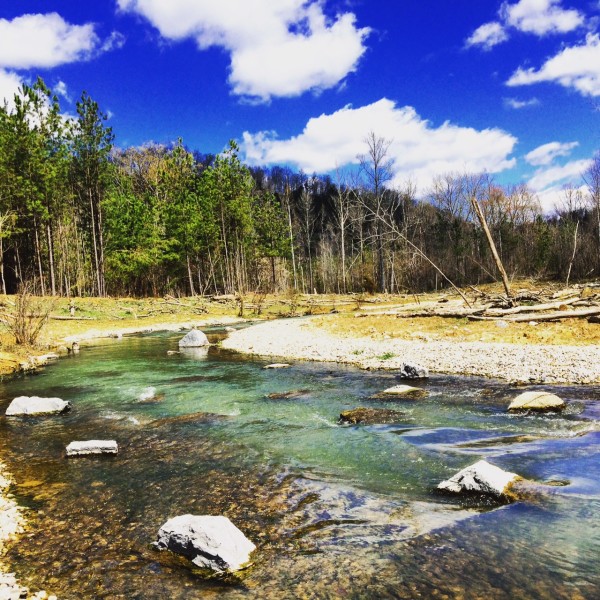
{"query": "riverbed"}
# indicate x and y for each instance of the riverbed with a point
(336, 511)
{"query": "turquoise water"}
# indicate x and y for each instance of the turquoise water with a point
(336, 511)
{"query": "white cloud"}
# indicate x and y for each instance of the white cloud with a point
(61, 89)
(571, 172)
(546, 153)
(281, 48)
(518, 104)
(44, 41)
(9, 85)
(575, 67)
(539, 17)
(488, 35)
(418, 150)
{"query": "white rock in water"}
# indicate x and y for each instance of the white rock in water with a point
(92, 447)
(34, 405)
(481, 478)
(194, 339)
(537, 401)
(277, 366)
(405, 390)
(208, 541)
(413, 371)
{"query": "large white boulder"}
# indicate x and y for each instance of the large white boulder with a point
(540, 401)
(92, 447)
(194, 339)
(480, 478)
(211, 542)
(34, 405)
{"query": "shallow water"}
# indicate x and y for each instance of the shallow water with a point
(336, 511)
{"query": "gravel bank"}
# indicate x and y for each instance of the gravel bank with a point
(300, 339)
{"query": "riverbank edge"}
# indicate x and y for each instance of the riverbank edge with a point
(516, 364)
(12, 518)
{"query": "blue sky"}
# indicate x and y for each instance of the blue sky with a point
(512, 88)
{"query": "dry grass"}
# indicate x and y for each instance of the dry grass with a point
(568, 332)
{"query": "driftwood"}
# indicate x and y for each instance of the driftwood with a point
(65, 318)
(501, 312)
(555, 316)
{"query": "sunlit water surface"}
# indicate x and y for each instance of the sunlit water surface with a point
(336, 512)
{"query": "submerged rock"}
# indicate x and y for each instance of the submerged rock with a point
(211, 542)
(193, 339)
(35, 405)
(277, 366)
(403, 391)
(199, 417)
(371, 416)
(286, 395)
(413, 371)
(481, 478)
(539, 401)
(92, 447)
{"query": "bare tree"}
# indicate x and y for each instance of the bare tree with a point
(376, 168)
(592, 180)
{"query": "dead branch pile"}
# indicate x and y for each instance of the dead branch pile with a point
(579, 301)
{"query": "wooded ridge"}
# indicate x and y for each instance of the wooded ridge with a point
(81, 217)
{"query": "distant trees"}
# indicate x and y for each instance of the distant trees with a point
(81, 217)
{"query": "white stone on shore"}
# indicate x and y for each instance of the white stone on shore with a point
(34, 405)
(537, 401)
(405, 390)
(194, 339)
(92, 447)
(481, 478)
(277, 366)
(211, 542)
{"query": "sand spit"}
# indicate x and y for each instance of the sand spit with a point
(301, 339)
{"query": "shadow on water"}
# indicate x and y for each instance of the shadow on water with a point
(335, 511)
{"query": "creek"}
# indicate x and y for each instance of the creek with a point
(336, 511)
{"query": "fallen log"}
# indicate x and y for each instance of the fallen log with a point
(555, 316)
(500, 312)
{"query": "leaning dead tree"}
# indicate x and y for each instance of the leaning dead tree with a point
(491, 244)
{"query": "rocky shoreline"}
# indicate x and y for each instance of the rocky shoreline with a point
(521, 364)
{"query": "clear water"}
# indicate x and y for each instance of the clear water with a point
(337, 512)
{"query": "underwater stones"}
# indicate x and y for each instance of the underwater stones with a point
(277, 366)
(89, 447)
(35, 405)
(413, 371)
(480, 478)
(211, 542)
(289, 395)
(197, 418)
(537, 401)
(193, 339)
(403, 391)
(370, 416)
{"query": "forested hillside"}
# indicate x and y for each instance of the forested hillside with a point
(81, 217)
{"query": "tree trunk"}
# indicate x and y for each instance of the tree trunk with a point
(491, 244)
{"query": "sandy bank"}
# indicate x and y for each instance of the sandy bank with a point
(301, 339)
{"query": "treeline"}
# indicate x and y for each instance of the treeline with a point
(81, 217)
